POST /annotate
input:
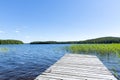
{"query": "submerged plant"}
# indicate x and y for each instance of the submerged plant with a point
(115, 73)
(4, 49)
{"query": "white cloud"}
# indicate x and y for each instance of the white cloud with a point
(2, 32)
(17, 31)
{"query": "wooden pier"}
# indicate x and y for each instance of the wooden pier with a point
(77, 67)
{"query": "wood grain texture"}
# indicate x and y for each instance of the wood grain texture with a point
(77, 67)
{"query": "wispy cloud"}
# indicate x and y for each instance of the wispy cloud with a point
(17, 31)
(27, 37)
(2, 32)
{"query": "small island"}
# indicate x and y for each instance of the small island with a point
(11, 42)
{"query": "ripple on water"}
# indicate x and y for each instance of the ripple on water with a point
(25, 62)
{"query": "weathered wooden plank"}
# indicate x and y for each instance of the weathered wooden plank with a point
(77, 67)
(80, 62)
(81, 55)
(64, 77)
(79, 76)
(85, 70)
(81, 66)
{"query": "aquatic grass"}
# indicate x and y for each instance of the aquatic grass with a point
(95, 48)
(101, 49)
(115, 73)
(4, 49)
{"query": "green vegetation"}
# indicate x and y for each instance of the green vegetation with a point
(115, 73)
(4, 49)
(95, 48)
(101, 40)
(10, 42)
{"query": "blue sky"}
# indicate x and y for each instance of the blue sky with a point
(59, 20)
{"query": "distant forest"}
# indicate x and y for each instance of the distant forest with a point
(11, 42)
(101, 40)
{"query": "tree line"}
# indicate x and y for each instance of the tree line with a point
(11, 42)
(102, 40)
(105, 40)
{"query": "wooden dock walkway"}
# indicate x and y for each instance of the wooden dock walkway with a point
(77, 67)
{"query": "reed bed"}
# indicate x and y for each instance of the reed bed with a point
(95, 48)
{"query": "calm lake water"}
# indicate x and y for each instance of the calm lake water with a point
(25, 62)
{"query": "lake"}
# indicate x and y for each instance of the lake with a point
(25, 62)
